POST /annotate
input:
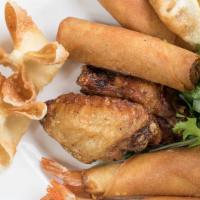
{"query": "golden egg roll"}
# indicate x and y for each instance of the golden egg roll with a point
(172, 173)
(138, 15)
(60, 191)
(129, 52)
(169, 198)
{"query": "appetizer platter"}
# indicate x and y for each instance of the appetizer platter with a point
(100, 100)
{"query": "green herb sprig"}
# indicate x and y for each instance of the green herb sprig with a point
(189, 128)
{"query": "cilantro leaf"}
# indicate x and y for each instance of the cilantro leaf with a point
(190, 135)
(192, 99)
(196, 105)
(188, 129)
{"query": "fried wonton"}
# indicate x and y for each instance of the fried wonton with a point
(34, 62)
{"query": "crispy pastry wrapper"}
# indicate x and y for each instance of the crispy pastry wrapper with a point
(170, 198)
(129, 52)
(138, 15)
(181, 16)
(169, 174)
(34, 62)
(58, 191)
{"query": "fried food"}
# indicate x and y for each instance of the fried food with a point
(34, 62)
(138, 15)
(58, 191)
(170, 198)
(34, 59)
(99, 128)
(181, 16)
(103, 82)
(129, 52)
(165, 173)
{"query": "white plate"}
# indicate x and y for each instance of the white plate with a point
(24, 180)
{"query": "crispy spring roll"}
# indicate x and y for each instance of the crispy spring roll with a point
(169, 198)
(129, 52)
(164, 173)
(99, 128)
(58, 191)
(104, 82)
(138, 15)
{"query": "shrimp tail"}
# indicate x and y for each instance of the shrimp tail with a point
(58, 191)
(70, 178)
(54, 168)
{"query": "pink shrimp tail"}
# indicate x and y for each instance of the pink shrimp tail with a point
(70, 178)
(54, 168)
(60, 192)
(72, 182)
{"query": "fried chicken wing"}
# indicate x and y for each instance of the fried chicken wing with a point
(99, 128)
(103, 82)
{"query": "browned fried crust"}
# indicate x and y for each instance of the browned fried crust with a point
(103, 82)
(129, 52)
(97, 128)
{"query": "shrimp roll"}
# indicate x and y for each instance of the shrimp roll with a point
(138, 15)
(162, 173)
(172, 173)
(169, 198)
(129, 52)
(58, 191)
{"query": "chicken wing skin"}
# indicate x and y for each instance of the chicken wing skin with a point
(99, 128)
(103, 82)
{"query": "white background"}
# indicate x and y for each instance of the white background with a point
(24, 180)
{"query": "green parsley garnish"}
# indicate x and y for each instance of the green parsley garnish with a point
(189, 129)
